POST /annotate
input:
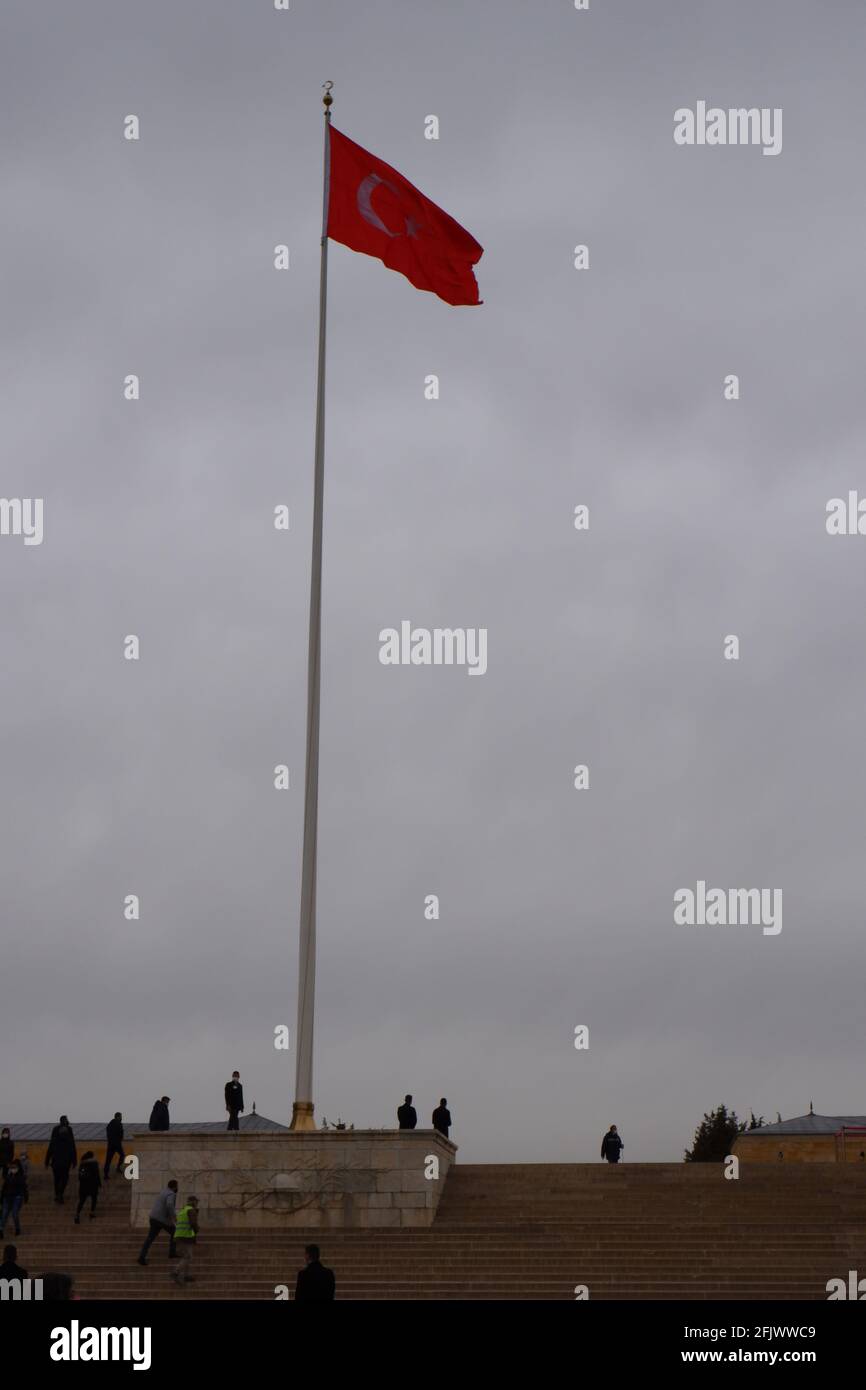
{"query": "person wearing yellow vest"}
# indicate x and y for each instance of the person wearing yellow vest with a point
(184, 1238)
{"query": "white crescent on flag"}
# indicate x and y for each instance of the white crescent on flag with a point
(368, 212)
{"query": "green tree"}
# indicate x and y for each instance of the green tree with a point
(715, 1135)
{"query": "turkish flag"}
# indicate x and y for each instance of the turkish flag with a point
(372, 208)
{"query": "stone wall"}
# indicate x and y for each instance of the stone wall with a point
(324, 1179)
(798, 1148)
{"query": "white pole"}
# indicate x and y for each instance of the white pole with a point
(302, 1110)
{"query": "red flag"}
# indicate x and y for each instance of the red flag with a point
(372, 208)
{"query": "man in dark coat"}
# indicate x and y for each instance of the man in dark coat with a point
(61, 1155)
(406, 1117)
(159, 1115)
(13, 1195)
(57, 1287)
(315, 1284)
(611, 1145)
(113, 1144)
(9, 1269)
(7, 1149)
(89, 1183)
(442, 1117)
(234, 1100)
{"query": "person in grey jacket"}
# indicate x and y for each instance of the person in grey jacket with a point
(162, 1218)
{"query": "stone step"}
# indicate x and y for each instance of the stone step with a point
(533, 1232)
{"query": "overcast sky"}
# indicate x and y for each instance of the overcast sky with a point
(603, 387)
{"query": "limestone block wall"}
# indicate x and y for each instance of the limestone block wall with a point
(796, 1148)
(353, 1178)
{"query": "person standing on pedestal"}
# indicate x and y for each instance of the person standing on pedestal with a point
(406, 1116)
(611, 1146)
(442, 1118)
(234, 1100)
(159, 1120)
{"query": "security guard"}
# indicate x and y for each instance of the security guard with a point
(184, 1237)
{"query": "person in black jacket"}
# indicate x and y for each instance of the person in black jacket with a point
(60, 1155)
(89, 1183)
(442, 1117)
(611, 1145)
(406, 1116)
(234, 1093)
(9, 1269)
(57, 1287)
(13, 1195)
(113, 1144)
(159, 1115)
(315, 1283)
(7, 1149)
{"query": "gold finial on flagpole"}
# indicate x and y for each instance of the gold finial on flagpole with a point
(327, 99)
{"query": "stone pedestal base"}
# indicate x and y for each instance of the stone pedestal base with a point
(321, 1179)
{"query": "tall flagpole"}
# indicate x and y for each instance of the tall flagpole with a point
(302, 1110)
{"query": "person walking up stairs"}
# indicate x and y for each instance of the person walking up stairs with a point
(184, 1239)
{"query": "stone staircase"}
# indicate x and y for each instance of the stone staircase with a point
(533, 1231)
